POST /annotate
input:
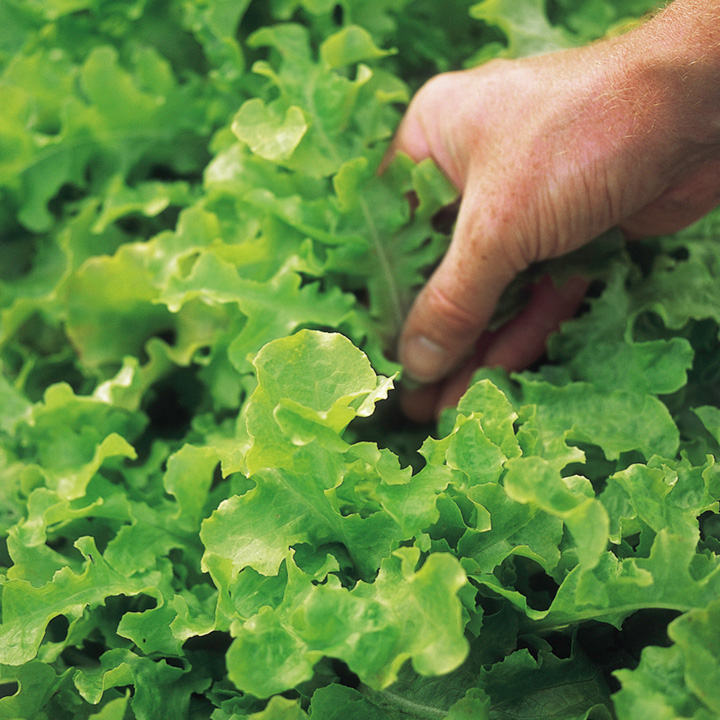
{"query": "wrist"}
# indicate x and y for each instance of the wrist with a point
(674, 59)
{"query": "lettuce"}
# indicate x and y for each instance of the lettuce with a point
(210, 506)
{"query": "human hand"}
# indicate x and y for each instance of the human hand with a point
(548, 152)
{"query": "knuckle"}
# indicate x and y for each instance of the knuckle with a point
(540, 229)
(514, 236)
(496, 65)
(429, 94)
(451, 317)
(441, 88)
(525, 252)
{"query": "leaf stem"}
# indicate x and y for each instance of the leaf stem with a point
(396, 306)
(396, 309)
(403, 705)
(536, 627)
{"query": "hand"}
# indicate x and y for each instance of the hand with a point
(548, 153)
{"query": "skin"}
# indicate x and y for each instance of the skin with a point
(548, 152)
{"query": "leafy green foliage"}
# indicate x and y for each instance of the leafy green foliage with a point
(208, 505)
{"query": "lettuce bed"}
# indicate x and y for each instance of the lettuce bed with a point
(210, 506)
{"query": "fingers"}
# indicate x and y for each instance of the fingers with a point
(420, 403)
(523, 339)
(513, 347)
(696, 194)
(457, 302)
(425, 402)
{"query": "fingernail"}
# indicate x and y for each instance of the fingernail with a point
(423, 359)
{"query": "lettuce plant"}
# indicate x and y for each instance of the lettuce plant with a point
(210, 505)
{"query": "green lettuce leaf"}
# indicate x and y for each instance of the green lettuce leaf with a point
(210, 503)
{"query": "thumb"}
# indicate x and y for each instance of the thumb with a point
(458, 301)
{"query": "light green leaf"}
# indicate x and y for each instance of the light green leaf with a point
(475, 705)
(470, 451)
(137, 547)
(13, 403)
(656, 689)
(267, 131)
(188, 478)
(112, 710)
(151, 631)
(415, 615)
(35, 681)
(158, 685)
(616, 421)
(111, 309)
(350, 45)
(515, 528)
(696, 634)
(280, 709)
(525, 25)
(710, 416)
(27, 610)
